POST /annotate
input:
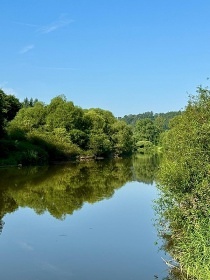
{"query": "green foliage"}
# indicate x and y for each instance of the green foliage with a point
(16, 152)
(99, 143)
(64, 130)
(107, 135)
(79, 138)
(145, 147)
(166, 117)
(57, 144)
(29, 103)
(187, 145)
(122, 138)
(184, 180)
(28, 118)
(63, 114)
(132, 119)
(146, 130)
(149, 126)
(9, 106)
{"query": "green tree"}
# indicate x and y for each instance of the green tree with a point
(98, 123)
(1, 113)
(9, 106)
(29, 118)
(63, 113)
(122, 138)
(187, 146)
(146, 130)
(184, 179)
(29, 103)
(65, 130)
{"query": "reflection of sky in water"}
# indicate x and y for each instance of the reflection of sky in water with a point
(111, 239)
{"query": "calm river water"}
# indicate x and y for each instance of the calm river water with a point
(80, 221)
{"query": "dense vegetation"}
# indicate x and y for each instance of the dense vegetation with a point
(184, 179)
(9, 106)
(164, 117)
(32, 132)
(39, 133)
(148, 129)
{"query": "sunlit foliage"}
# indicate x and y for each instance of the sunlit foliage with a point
(184, 179)
(9, 106)
(65, 131)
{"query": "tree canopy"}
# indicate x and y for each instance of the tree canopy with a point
(65, 130)
(9, 106)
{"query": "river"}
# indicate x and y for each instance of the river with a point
(80, 221)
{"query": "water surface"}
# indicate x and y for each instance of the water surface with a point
(79, 221)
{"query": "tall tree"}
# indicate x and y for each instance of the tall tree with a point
(9, 106)
(146, 130)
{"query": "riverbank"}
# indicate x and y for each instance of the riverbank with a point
(14, 153)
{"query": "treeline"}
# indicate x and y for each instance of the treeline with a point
(148, 129)
(32, 132)
(38, 133)
(165, 117)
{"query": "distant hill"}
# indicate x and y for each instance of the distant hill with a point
(131, 119)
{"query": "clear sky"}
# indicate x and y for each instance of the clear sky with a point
(126, 56)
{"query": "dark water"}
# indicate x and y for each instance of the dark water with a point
(80, 221)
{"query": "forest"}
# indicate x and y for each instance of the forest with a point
(32, 132)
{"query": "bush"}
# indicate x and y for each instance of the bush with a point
(57, 144)
(144, 146)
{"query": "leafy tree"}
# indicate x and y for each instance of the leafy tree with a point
(29, 118)
(9, 106)
(184, 179)
(1, 113)
(12, 106)
(99, 143)
(29, 103)
(65, 130)
(187, 145)
(63, 113)
(132, 119)
(79, 138)
(146, 130)
(98, 123)
(122, 138)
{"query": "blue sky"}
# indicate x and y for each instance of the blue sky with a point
(126, 56)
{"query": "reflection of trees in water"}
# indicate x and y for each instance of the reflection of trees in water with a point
(1, 225)
(145, 167)
(7, 204)
(62, 189)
